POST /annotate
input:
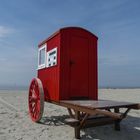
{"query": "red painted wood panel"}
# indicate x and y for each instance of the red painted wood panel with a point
(50, 76)
(78, 65)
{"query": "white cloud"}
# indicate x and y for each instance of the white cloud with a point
(4, 31)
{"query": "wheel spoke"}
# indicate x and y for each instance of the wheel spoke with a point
(37, 91)
(38, 105)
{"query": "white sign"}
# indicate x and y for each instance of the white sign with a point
(52, 57)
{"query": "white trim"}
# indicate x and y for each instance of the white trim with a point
(51, 59)
(44, 64)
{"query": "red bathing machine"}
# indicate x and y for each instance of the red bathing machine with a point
(67, 65)
(67, 70)
(67, 76)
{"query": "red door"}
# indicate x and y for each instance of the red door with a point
(79, 67)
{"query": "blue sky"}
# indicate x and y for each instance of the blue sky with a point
(24, 23)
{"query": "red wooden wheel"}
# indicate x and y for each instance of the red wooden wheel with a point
(36, 100)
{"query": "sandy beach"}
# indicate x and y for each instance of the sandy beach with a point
(15, 123)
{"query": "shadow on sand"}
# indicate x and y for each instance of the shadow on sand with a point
(54, 120)
(130, 129)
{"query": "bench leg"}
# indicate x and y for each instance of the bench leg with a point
(117, 125)
(77, 128)
(117, 122)
(77, 132)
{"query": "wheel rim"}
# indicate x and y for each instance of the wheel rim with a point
(36, 100)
